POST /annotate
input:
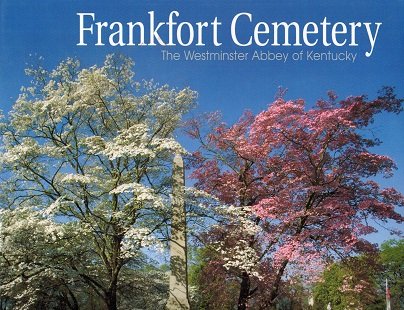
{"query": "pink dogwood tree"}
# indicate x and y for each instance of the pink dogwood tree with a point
(305, 177)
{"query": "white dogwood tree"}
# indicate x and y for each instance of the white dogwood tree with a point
(85, 179)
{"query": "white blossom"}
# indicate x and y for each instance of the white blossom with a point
(136, 238)
(132, 142)
(241, 256)
(76, 178)
(53, 207)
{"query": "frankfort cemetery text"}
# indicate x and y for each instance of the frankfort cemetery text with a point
(244, 31)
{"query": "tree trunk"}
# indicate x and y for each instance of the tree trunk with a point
(275, 289)
(111, 300)
(244, 291)
(178, 298)
(111, 293)
(73, 305)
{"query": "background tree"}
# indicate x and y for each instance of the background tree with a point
(304, 176)
(89, 151)
(350, 284)
(211, 285)
(392, 261)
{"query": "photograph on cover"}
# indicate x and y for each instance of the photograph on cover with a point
(209, 155)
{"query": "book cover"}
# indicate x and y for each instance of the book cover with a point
(201, 154)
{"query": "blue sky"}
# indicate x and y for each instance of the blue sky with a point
(51, 29)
